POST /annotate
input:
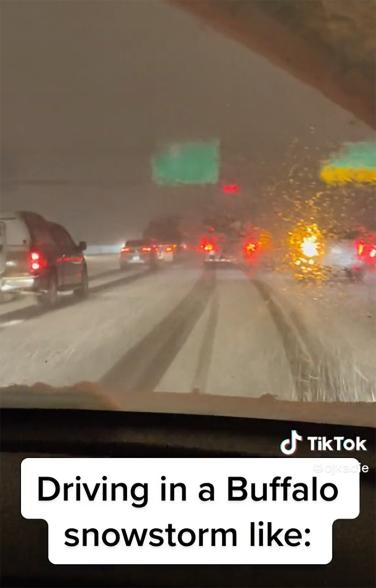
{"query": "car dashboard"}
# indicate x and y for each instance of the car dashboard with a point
(101, 433)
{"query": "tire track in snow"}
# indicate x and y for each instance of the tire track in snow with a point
(300, 359)
(206, 348)
(143, 366)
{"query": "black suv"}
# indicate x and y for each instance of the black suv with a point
(41, 257)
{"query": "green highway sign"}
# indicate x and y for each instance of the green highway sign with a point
(356, 162)
(187, 163)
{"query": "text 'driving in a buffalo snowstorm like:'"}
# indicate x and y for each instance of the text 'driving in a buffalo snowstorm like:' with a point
(190, 511)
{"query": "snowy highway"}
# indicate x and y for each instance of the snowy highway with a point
(183, 329)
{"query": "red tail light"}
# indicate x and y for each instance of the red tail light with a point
(37, 262)
(250, 247)
(168, 249)
(366, 251)
(126, 249)
(371, 254)
(146, 249)
(207, 245)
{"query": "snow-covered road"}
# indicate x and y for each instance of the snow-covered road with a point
(182, 329)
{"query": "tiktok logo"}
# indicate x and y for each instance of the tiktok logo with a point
(289, 445)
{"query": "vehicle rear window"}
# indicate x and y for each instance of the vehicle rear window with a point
(41, 234)
(16, 233)
(138, 243)
(62, 237)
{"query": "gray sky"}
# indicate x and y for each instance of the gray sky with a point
(90, 89)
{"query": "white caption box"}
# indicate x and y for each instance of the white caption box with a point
(113, 512)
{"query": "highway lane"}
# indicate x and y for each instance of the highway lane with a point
(100, 267)
(182, 329)
(268, 334)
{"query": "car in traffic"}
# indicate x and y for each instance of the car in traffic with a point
(172, 251)
(139, 252)
(366, 250)
(40, 257)
(341, 257)
(167, 252)
(220, 250)
(316, 254)
(351, 254)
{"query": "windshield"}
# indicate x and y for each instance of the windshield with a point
(245, 149)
